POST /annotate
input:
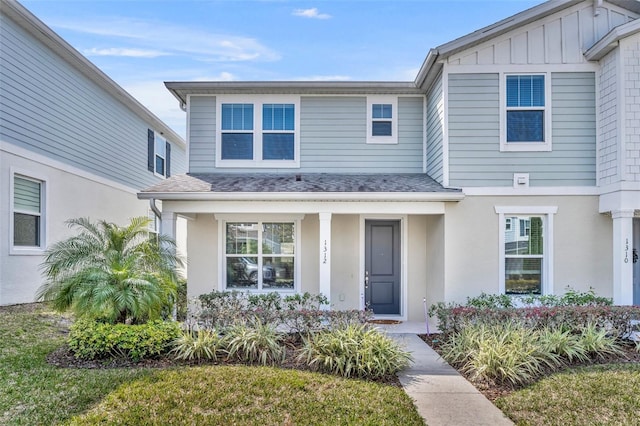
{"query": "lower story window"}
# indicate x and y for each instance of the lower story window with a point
(27, 212)
(260, 255)
(524, 254)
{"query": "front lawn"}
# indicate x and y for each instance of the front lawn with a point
(35, 392)
(596, 395)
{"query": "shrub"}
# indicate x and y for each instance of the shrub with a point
(197, 345)
(490, 301)
(112, 273)
(89, 339)
(266, 307)
(221, 309)
(501, 353)
(255, 342)
(615, 319)
(354, 351)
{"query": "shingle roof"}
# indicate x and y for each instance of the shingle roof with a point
(298, 183)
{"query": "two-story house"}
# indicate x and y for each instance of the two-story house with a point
(510, 165)
(72, 144)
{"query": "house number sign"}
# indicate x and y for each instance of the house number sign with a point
(626, 251)
(324, 252)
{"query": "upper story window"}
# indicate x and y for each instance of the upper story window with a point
(158, 154)
(526, 116)
(260, 132)
(382, 121)
(28, 213)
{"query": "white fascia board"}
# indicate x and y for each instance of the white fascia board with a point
(531, 191)
(377, 208)
(35, 27)
(610, 41)
(303, 196)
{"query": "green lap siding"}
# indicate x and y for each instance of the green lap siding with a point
(474, 134)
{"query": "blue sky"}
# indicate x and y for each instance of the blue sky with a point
(142, 43)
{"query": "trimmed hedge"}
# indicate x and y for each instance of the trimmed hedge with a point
(89, 339)
(615, 319)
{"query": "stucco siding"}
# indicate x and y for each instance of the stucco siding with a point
(474, 134)
(20, 273)
(49, 107)
(435, 131)
(580, 260)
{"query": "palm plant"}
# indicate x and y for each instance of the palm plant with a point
(113, 273)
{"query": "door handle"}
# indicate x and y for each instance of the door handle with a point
(366, 279)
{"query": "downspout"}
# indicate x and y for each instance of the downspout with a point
(154, 209)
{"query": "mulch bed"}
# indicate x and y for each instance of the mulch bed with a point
(64, 358)
(494, 391)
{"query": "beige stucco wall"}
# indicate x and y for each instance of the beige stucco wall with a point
(345, 261)
(67, 196)
(581, 242)
(202, 247)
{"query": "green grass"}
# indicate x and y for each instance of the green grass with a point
(251, 396)
(596, 395)
(34, 392)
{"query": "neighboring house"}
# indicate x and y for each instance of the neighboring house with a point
(72, 144)
(511, 164)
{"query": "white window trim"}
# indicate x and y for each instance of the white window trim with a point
(222, 269)
(257, 101)
(546, 212)
(525, 146)
(382, 99)
(156, 135)
(23, 250)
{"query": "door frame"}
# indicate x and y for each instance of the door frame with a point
(402, 219)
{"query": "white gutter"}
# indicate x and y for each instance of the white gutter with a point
(610, 41)
(303, 196)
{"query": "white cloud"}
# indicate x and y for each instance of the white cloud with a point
(223, 76)
(123, 51)
(174, 40)
(311, 13)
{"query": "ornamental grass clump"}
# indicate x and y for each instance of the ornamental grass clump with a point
(506, 353)
(597, 342)
(201, 344)
(564, 343)
(354, 351)
(255, 343)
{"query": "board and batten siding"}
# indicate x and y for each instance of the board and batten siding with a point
(474, 134)
(560, 38)
(332, 138)
(50, 108)
(435, 131)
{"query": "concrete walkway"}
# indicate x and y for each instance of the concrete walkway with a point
(441, 394)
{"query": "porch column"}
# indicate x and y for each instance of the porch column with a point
(622, 257)
(325, 254)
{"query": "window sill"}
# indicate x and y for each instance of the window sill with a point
(26, 251)
(382, 141)
(252, 164)
(525, 147)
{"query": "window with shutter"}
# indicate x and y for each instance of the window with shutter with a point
(158, 154)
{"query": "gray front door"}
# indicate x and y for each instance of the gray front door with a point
(636, 261)
(382, 266)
